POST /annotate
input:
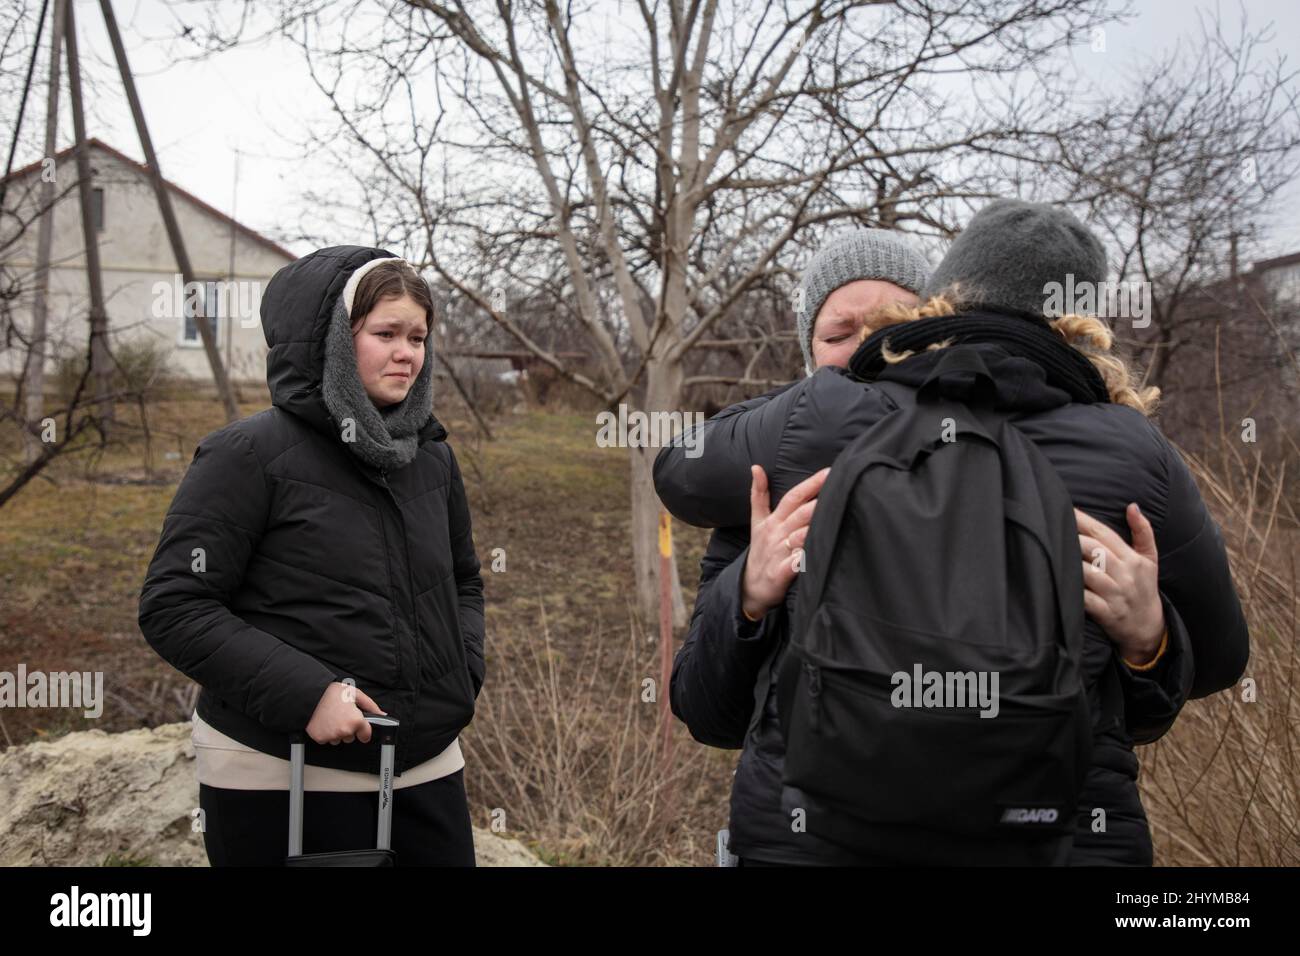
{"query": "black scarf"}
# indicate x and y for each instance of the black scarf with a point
(1066, 367)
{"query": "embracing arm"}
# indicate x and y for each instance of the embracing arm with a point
(1122, 596)
(714, 673)
(1195, 576)
(703, 476)
(1154, 696)
(213, 526)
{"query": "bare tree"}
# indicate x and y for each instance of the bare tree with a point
(647, 165)
(1181, 169)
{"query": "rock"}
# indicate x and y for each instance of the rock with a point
(93, 798)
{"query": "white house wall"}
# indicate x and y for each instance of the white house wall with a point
(137, 261)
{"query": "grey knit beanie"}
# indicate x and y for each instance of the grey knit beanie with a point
(847, 257)
(1009, 254)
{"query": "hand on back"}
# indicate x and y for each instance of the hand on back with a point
(1121, 584)
(776, 540)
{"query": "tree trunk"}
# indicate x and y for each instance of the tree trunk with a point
(663, 393)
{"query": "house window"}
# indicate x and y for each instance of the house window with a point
(97, 208)
(211, 310)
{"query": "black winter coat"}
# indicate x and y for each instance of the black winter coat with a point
(318, 567)
(1106, 454)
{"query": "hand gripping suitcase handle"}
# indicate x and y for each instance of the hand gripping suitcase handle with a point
(387, 730)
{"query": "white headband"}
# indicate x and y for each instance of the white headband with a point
(350, 290)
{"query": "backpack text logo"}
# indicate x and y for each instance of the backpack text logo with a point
(1021, 815)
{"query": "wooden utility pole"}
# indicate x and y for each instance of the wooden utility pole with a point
(34, 365)
(224, 388)
(99, 353)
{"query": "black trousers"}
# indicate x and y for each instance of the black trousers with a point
(431, 825)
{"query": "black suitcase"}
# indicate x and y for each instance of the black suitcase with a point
(383, 854)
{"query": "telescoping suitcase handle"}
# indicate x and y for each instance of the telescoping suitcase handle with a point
(382, 854)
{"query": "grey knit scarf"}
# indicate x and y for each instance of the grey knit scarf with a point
(385, 438)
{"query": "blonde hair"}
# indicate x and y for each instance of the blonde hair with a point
(1088, 334)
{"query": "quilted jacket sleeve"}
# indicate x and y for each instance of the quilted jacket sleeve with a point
(703, 476)
(469, 583)
(214, 524)
(1154, 698)
(714, 673)
(1196, 577)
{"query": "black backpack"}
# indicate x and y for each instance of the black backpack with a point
(942, 566)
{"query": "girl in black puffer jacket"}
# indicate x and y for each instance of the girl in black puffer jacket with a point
(317, 562)
(1086, 420)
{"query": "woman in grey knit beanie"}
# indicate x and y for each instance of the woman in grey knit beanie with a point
(854, 274)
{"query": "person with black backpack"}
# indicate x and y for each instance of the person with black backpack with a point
(932, 417)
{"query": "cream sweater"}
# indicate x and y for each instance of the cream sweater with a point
(225, 762)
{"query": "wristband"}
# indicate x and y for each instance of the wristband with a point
(1164, 642)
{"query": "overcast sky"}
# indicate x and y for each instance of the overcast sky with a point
(252, 102)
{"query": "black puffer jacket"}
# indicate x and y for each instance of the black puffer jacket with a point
(1107, 456)
(318, 567)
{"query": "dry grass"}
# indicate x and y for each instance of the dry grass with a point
(572, 755)
(1222, 788)
(564, 744)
